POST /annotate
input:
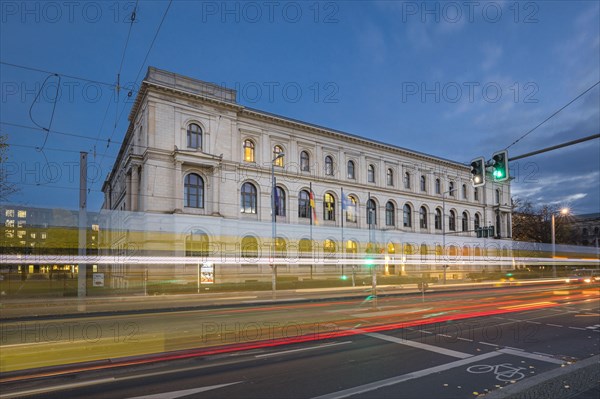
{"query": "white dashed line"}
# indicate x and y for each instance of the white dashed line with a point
(533, 322)
(487, 343)
(577, 328)
(464, 339)
(554, 325)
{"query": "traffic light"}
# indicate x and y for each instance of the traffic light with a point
(500, 165)
(478, 172)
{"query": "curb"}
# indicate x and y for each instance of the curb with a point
(562, 383)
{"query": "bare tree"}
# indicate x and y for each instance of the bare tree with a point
(6, 188)
(534, 223)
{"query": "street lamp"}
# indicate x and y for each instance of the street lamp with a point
(444, 266)
(274, 225)
(564, 212)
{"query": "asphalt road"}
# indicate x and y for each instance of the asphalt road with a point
(447, 359)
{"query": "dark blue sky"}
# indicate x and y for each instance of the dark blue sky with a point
(453, 79)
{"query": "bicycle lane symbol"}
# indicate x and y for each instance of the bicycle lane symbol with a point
(504, 372)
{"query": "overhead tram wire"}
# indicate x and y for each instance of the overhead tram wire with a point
(136, 79)
(554, 114)
(117, 87)
(64, 75)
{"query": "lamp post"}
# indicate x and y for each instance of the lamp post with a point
(274, 226)
(444, 266)
(563, 211)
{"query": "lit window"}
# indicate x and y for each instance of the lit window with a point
(248, 151)
(329, 247)
(9, 213)
(278, 155)
(351, 206)
(9, 223)
(22, 214)
(249, 247)
(328, 207)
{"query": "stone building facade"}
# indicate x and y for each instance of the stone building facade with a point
(194, 162)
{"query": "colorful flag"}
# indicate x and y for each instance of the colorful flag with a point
(313, 207)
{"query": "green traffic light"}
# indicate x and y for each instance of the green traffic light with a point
(344, 277)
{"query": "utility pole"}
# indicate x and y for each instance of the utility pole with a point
(82, 245)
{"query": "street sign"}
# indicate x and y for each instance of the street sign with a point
(98, 279)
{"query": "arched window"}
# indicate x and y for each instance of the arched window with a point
(407, 180)
(465, 221)
(280, 247)
(248, 150)
(194, 136)
(329, 248)
(371, 212)
(371, 173)
(351, 207)
(438, 219)
(329, 165)
(423, 183)
(423, 217)
(438, 186)
(451, 188)
(328, 207)
(452, 221)
(477, 221)
(304, 204)
(193, 191)
(407, 216)
(248, 200)
(305, 248)
(279, 201)
(278, 156)
(390, 177)
(351, 174)
(196, 244)
(464, 191)
(351, 247)
(390, 214)
(249, 247)
(304, 161)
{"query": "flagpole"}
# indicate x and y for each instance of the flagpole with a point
(342, 221)
(312, 249)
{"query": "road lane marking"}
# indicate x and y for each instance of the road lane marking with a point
(577, 328)
(60, 387)
(405, 377)
(419, 345)
(533, 322)
(464, 339)
(185, 392)
(554, 325)
(487, 343)
(531, 356)
(303, 349)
